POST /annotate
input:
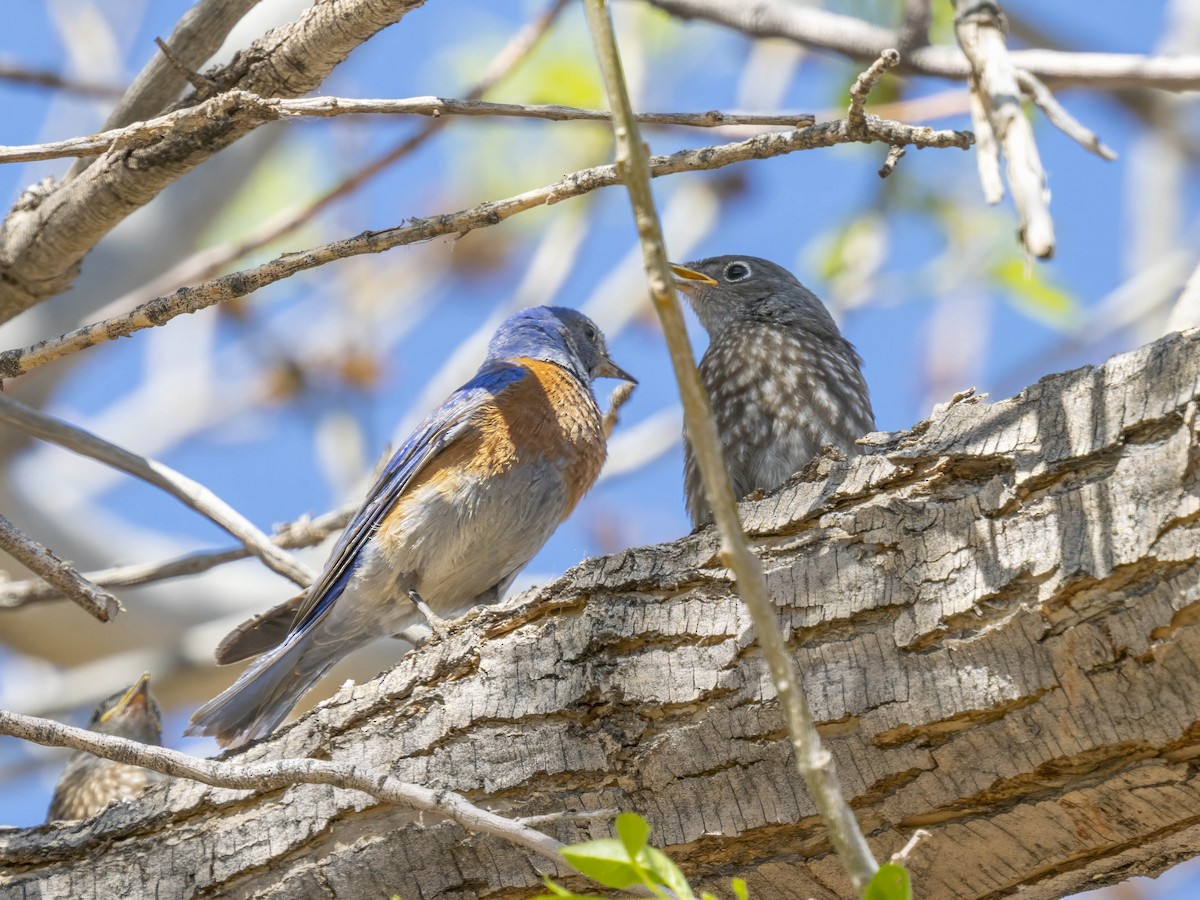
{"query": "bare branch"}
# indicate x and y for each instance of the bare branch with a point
(889, 164)
(987, 151)
(812, 760)
(194, 118)
(303, 532)
(197, 36)
(619, 398)
(865, 83)
(863, 41)
(23, 75)
(178, 485)
(914, 25)
(980, 29)
(281, 774)
(46, 235)
(61, 575)
(1060, 118)
(204, 87)
(211, 261)
(239, 284)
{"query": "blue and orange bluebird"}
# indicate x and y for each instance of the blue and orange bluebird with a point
(459, 510)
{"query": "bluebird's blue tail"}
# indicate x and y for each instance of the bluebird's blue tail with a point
(265, 693)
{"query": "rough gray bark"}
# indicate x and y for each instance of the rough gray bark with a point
(996, 615)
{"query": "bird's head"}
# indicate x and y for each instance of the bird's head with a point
(726, 290)
(132, 713)
(558, 335)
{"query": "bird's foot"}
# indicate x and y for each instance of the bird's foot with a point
(436, 623)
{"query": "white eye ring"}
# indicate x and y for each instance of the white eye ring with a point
(732, 273)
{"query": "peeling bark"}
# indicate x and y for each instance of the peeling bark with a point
(996, 615)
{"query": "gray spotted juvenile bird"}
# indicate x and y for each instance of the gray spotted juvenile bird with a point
(90, 783)
(782, 381)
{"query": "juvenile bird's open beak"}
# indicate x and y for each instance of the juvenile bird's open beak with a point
(137, 696)
(609, 369)
(686, 278)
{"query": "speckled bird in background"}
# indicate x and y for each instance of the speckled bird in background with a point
(459, 510)
(90, 783)
(782, 381)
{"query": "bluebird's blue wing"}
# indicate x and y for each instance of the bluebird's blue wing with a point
(435, 433)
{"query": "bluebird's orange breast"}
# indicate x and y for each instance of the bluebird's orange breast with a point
(549, 416)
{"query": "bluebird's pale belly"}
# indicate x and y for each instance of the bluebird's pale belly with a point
(480, 510)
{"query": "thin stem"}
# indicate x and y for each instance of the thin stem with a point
(193, 118)
(278, 774)
(178, 485)
(239, 284)
(814, 762)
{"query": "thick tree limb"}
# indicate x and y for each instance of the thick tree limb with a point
(60, 576)
(863, 41)
(191, 493)
(194, 118)
(239, 284)
(999, 612)
(48, 232)
(197, 36)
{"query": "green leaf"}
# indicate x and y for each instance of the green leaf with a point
(605, 861)
(557, 891)
(633, 831)
(889, 883)
(739, 889)
(1029, 291)
(666, 872)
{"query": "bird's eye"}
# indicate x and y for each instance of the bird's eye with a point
(589, 332)
(737, 271)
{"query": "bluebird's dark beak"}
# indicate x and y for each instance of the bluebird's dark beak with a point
(609, 369)
(686, 279)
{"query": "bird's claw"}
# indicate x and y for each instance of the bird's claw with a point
(436, 623)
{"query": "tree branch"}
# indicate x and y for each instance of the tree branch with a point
(189, 492)
(814, 763)
(281, 774)
(863, 41)
(239, 284)
(304, 532)
(19, 74)
(1060, 118)
(980, 30)
(240, 103)
(211, 261)
(62, 576)
(1017, 574)
(197, 36)
(48, 233)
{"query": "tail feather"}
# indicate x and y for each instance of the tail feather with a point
(265, 693)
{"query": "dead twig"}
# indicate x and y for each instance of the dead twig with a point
(90, 597)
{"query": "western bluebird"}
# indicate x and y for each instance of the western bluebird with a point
(90, 783)
(459, 510)
(781, 379)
